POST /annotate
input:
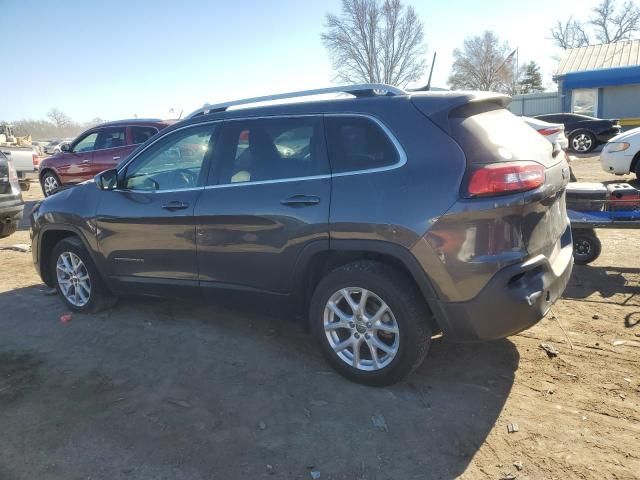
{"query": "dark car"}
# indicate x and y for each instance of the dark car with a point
(99, 148)
(584, 133)
(11, 205)
(385, 218)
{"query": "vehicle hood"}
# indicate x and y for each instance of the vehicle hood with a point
(635, 132)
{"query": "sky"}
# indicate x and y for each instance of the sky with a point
(122, 58)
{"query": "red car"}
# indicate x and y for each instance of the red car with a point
(99, 148)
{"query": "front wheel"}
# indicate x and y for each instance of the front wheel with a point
(371, 322)
(586, 246)
(49, 183)
(636, 168)
(582, 142)
(76, 278)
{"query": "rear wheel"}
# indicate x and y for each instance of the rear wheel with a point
(50, 183)
(7, 229)
(76, 277)
(586, 246)
(582, 142)
(371, 322)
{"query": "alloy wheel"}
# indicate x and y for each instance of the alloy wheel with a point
(361, 329)
(50, 184)
(73, 279)
(582, 142)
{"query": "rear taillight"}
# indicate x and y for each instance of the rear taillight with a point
(36, 160)
(13, 175)
(548, 131)
(13, 179)
(506, 177)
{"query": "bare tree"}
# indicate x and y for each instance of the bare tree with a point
(569, 34)
(59, 118)
(375, 41)
(609, 23)
(614, 24)
(483, 63)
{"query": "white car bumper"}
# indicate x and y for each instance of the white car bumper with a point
(618, 163)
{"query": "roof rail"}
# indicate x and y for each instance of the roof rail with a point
(361, 90)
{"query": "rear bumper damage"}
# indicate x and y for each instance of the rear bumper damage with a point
(515, 299)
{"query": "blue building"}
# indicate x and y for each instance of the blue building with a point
(602, 81)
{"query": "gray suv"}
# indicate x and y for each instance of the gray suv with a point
(386, 218)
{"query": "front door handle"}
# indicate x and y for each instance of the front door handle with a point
(301, 201)
(86, 160)
(116, 158)
(175, 205)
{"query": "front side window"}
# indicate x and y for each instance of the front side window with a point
(358, 143)
(173, 163)
(271, 149)
(142, 134)
(111, 138)
(85, 144)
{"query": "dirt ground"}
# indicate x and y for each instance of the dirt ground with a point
(163, 390)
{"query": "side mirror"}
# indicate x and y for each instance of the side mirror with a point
(65, 147)
(107, 180)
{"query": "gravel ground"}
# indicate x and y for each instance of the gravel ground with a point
(155, 389)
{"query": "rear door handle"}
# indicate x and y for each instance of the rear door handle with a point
(116, 158)
(301, 201)
(175, 205)
(86, 160)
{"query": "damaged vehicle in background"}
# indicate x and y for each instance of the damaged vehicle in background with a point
(343, 207)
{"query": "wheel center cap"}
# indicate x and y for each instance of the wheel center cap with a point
(361, 327)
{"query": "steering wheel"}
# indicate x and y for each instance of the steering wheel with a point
(184, 177)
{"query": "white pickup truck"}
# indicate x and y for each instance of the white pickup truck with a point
(24, 158)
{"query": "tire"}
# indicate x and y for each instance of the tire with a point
(98, 296)
(49, 183)
(408, 315)
(582, 141)
(8, 229)
(636, 167)
(586, 246)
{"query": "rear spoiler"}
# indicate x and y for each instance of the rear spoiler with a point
(440, 106)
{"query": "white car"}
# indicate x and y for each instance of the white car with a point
(55, 146)
(554, 132)
(621, 154)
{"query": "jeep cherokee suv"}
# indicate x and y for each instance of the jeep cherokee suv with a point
(387, 217)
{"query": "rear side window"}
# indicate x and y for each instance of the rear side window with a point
(271, 149)
(358, 143)
(110, 138)
(142, 134)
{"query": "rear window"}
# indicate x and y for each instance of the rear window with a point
(358, 143)
(490, 133)
(142, 134)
